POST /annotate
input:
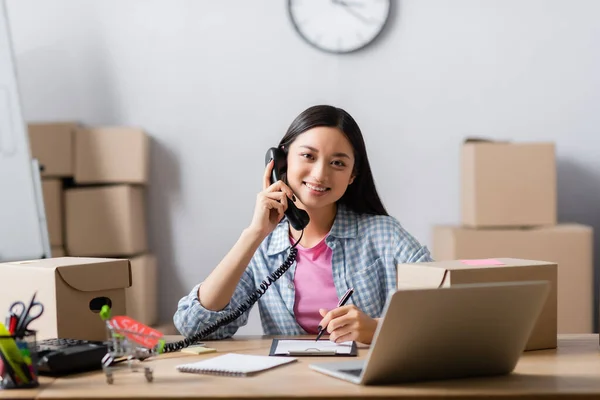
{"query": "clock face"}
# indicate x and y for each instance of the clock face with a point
(339, 26)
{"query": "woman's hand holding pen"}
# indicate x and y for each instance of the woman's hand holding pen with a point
(271, 203)
(348, 323)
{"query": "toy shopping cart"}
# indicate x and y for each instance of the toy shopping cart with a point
(129, 344)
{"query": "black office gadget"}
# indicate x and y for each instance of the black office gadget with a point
(298, 218)
(57, 357)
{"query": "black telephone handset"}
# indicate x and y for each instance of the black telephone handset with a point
(298, 218)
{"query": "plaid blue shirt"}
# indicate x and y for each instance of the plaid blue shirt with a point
(366, 250)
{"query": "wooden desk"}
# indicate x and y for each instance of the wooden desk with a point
(26, 394)
(570, 371)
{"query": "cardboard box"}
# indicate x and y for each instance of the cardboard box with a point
(72, 291)
(447, 273)
(508, 184)
(57, 251)
(52, 145)
(53, 205)
(111, 155)
(568, 245)
(106, 221)
(141, 297)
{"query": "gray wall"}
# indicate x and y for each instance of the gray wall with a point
(217, 82)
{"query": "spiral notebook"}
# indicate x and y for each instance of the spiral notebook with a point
(233, 364)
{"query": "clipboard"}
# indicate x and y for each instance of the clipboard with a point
(311, 351)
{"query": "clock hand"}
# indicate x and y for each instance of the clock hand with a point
(348, 3)
(350, 10)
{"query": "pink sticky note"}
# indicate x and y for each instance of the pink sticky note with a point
(485, 261)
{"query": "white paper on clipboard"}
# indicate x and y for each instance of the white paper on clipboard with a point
(321, 347)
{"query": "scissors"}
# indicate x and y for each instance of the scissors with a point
(26, 314)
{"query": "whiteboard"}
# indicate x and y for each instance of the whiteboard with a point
(23, 230)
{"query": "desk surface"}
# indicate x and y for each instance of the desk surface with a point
(571, 370)
(45, 382)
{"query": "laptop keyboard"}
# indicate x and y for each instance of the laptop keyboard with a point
(355, 372)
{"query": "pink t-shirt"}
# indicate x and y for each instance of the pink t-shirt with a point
(314, 285)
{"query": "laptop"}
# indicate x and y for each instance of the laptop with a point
(460, 331)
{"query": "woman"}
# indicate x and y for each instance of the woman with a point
(350, 241)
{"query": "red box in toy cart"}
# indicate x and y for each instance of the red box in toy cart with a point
(132, 340)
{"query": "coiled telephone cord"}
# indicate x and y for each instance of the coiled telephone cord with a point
(242, 308)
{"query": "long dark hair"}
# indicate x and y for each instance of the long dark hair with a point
(361, 196)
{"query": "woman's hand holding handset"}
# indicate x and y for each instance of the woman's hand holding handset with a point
(217, 289)
(271, 203)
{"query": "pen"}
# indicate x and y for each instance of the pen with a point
(342, 301)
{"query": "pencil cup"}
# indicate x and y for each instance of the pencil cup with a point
(18, 362)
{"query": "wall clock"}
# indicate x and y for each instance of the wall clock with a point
(339, 26)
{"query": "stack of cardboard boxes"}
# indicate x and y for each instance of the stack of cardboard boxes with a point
(93, 182)
(509, 209)
(52, 145)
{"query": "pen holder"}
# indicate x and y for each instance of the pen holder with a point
(18, 361)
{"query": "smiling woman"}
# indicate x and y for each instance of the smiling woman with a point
(339, 26)
(321, 162)
(350, 241)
